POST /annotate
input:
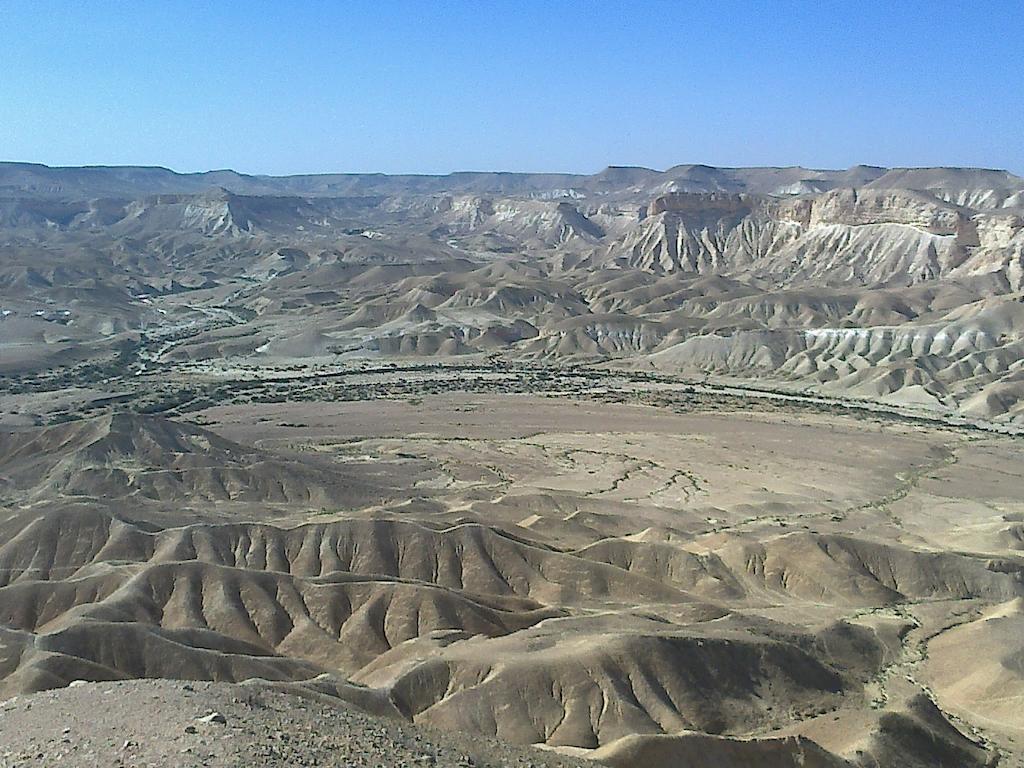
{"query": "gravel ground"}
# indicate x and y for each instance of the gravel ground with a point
(187, 725)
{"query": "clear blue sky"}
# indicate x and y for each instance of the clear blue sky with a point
(294, 87)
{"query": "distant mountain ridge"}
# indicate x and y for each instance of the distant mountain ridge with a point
(37, 180)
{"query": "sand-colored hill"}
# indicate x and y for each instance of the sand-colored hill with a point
(153, 459)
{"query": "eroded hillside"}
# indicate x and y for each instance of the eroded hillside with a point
(614, 581)
(902, 286)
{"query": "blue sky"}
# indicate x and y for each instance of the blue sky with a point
(296, 87)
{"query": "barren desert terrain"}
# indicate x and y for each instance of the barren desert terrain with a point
(702, 467)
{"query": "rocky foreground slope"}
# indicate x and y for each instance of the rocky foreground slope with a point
(203, 725)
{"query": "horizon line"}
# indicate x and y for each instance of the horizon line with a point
(127, 166)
